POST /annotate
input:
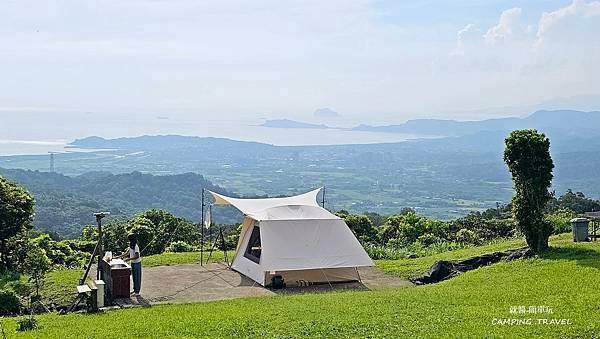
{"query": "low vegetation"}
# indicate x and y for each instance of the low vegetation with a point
(410, 235)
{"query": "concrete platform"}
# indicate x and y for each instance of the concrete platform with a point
(196, 283)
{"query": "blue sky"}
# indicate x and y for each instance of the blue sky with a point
(372, 61)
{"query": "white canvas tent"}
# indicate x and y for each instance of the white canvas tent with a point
(295, 238)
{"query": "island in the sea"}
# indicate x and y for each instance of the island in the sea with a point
(286, 123)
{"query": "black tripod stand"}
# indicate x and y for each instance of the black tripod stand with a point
(220, 237)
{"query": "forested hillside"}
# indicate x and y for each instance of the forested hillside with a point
(65, 204)
(443, 178)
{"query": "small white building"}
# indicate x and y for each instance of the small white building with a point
(295, 238)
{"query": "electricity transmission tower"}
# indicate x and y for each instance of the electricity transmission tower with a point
(52, 161)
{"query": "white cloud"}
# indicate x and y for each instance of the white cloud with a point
(511, 64)
(505, 28)
(241, 58)
(570, 22)
(462, 38)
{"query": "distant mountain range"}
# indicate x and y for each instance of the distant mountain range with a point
(564, 120)
(542, 120)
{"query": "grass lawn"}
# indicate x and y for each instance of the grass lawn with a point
(60, 286)
(408, 268)
(566, 279)
(168, 259)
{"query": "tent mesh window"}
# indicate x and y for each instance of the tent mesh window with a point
(253, 250)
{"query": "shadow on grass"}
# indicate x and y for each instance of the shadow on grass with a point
(582, 255)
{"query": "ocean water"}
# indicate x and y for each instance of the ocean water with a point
(39, 134)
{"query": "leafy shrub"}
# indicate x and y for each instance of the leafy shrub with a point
(428, 239)
(378, 252)
(27, 324)
(9, 302)
(21, 288)
(7, 277)
(561, 220)
(36, 265)
(360, 225)
(232, 237)
(468, 237)
(485, 228)
(419, 250)
(180, 246)
(84, 246)
(60, 252)
(402, 229)
(156, 230)
(439, 247)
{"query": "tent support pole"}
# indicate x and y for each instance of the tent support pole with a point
(329, 282)
(358, 274)
(202, 230)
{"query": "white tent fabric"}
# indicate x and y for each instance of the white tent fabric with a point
(299, 240)
(250, 206)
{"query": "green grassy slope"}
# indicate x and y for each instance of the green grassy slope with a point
(565, 279)
(408, 268)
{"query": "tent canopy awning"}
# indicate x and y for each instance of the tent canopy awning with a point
(293, 212)
(295, 207)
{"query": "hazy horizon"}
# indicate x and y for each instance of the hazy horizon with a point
(213, 68)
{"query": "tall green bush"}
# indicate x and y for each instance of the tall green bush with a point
(36, 265)
(527, 155)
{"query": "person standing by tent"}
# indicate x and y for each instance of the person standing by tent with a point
(133, 254)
